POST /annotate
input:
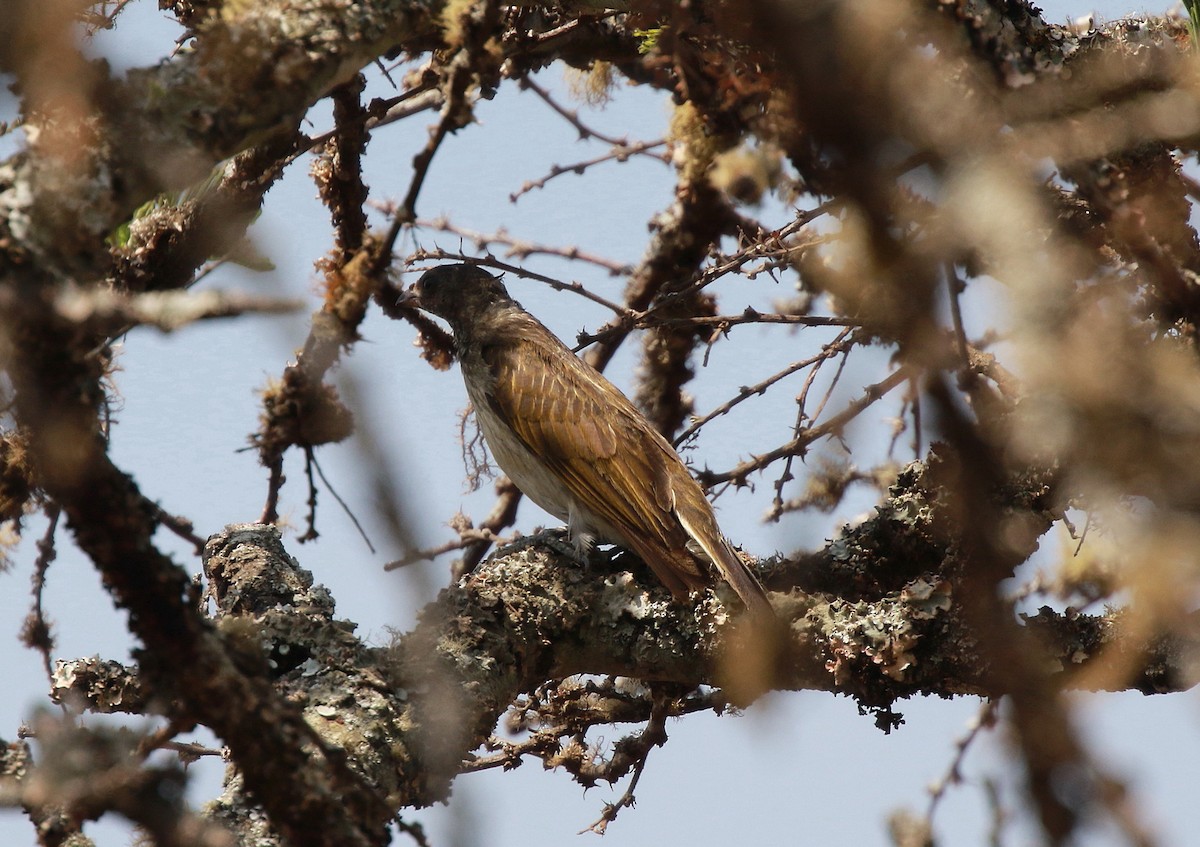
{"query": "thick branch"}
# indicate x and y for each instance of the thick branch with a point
(256, 69)
(408, 716)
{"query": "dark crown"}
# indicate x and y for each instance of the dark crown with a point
(455, 291)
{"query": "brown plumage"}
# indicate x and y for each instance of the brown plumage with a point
(574, 444)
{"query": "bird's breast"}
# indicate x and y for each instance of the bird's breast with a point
(534, 475)
(526, 470)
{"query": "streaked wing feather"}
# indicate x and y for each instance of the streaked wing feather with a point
(587, 431)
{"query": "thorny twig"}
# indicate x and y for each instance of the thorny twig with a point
(542, 744)
(620, 154)
(984, 720)
(310, 531)
(834, 425)
(518, 248)
(459, 76)
(759, 388)
(572, 117)
(506, 267)
(654, 735)
(466, 538)
(379, 113)
(36, 632)
(785, 476)
(502, 515)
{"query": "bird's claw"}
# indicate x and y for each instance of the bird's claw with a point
(556, 539)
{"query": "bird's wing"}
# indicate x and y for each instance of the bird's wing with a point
(589, 434)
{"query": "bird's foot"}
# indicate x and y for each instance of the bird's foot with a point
(560, 541)
(556, 539)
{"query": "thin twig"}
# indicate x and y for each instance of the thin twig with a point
(522, 248)
(502, 516)
(619, 153)
(954, 287)
(489, 261)
(509, 753)
(654, 735)
(746, 392)
(406, 213)
(345, 508)
(777, 503)
(275, 481)
(571, 116)
(466, 538)
(310, 532)
(380, 113)
(36, 632)
(181, 526)
(413, 830)
(835, 424)
(986, 719)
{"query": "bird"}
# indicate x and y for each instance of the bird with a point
(575, 445)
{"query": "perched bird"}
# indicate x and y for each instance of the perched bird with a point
(574, 444)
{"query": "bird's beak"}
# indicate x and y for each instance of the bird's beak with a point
(410, 297)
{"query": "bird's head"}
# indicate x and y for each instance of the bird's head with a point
(460, 294)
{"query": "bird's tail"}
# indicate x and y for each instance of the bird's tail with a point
(734, 571)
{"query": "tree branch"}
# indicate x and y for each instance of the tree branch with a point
(408, 716)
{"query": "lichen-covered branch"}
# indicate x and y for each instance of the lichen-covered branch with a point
(408, 715)
(255, 71)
